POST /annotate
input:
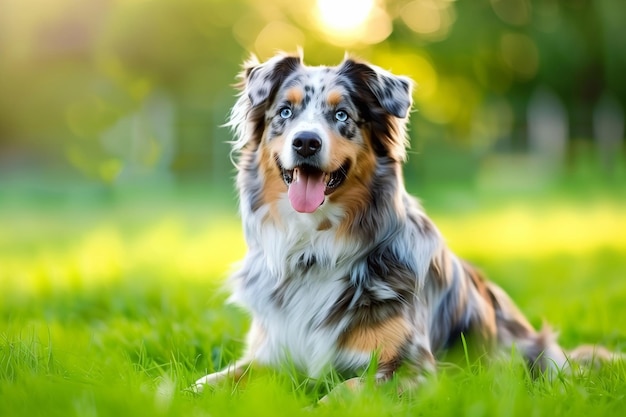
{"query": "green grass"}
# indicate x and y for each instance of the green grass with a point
(112, 306)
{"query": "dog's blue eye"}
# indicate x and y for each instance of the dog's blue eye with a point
(286, 113)
(341, 116)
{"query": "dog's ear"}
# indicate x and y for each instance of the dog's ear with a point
(384, 101)
(392, 92)
(260, 81)
(258, 84)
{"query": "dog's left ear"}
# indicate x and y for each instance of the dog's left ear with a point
(393, 92)
(384, 100)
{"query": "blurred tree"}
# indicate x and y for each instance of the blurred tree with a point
(72, 72)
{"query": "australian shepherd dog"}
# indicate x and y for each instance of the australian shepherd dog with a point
(343, 265)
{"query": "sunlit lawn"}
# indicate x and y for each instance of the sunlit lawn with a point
(112, 305)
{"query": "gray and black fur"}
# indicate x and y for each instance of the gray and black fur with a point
(367, 273)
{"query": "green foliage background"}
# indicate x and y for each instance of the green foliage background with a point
(122, 91)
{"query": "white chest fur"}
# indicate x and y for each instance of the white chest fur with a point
(292, 278)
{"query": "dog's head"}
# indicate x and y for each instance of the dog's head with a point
(318, 132)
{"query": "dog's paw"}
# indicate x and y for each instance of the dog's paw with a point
(343, 390)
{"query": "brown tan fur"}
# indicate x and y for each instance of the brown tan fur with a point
(385, 338)
(364, 274)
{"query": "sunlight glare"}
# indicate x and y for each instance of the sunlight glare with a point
(344, 18)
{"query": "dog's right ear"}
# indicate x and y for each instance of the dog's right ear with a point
(260, 81)
(258, 85)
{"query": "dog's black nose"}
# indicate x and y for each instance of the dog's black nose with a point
(307, 144)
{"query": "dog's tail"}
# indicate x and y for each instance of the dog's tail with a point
(540, 348)
(593, 356)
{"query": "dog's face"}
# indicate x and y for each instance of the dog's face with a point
(318, 131)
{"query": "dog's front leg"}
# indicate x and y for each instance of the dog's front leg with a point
(235, 372)
(411, 362)
(410, 377)
(348, 386)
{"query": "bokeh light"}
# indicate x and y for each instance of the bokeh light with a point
(514, 12)
(520, 54)
(431, 19)
(344, 15)
(349, 22)
(278, 36)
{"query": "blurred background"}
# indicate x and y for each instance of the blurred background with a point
(107, 94)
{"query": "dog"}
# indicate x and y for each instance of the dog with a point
(343, 265)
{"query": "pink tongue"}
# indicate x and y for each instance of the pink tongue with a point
(306, 192)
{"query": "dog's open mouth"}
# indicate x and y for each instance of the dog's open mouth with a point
(308, 185)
